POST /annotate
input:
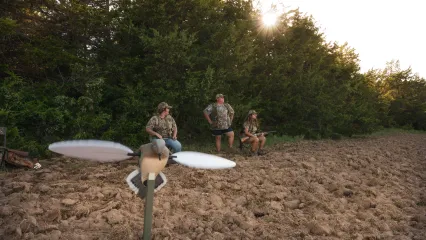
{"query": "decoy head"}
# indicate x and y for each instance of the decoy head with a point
(158, 146)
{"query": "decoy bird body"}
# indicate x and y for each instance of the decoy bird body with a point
(154, 157)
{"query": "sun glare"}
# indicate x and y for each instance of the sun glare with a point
(269, 19)
(269, 15)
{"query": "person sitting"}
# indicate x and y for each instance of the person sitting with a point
(250, 134)
(163, 126)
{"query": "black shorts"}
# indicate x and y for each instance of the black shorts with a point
(218, 132)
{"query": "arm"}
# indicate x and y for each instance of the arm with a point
(152, 132)
(175, 133)
(207, 112)
(150, 126)
(207, 117)
(231, 113)
(174, 130)
(247, 134)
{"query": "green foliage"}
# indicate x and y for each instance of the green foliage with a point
(98, 69)
(402, 98)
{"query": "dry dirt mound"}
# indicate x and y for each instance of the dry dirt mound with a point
(373, 188)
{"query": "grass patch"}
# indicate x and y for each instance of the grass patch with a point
(208, 146)
(393, 131)
(389, 132)
(273, 139)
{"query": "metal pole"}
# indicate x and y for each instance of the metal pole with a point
(149, 201)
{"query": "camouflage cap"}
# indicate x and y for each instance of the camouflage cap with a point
(252, 112)
(220, 95)
(162, 106)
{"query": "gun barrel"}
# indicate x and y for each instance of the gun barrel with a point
(134, 154)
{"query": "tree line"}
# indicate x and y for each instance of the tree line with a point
(98, 69)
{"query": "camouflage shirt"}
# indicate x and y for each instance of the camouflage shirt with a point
(221, 118)
(252, 127)
(163, 126)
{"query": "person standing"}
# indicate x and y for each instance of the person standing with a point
(220, 116)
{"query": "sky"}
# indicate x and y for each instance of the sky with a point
(378, 30)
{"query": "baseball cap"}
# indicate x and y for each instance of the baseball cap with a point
(220, 95)
(252, 112)
(162, 106)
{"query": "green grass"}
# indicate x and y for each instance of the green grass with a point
(387, 132)
(208, 146)
(392, 131)
(273, 140)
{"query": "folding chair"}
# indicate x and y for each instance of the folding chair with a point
(242, 145)
(3, 149)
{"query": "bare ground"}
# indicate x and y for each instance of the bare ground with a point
(369, 188)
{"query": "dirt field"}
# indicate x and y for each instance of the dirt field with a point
(369, 188)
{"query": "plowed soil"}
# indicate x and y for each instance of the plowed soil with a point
(364, 188)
